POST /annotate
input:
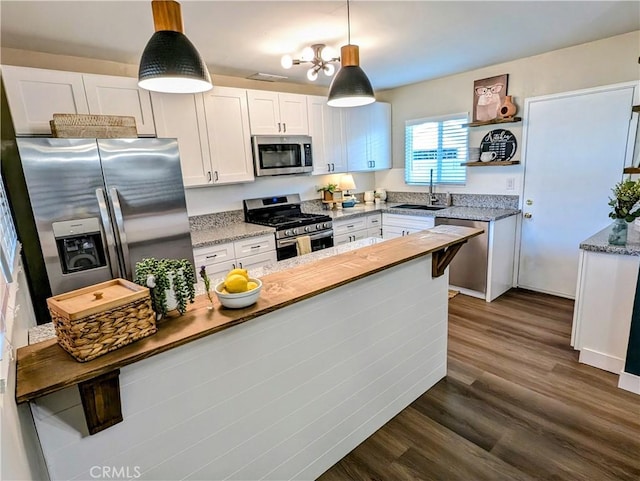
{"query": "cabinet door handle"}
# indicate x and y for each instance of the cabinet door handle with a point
(328, 167)
(212, 256)
(209, 176)
(240, 264)
(284, 127)
(234, 266)
(216, 179)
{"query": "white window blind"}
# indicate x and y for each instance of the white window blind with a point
(8, 237)
(439, 144)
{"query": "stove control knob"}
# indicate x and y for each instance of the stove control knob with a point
(294, 231)
(288, 232)
(308, 228)
(326, 225)
(318, 226)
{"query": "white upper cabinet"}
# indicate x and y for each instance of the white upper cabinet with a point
(109, 95)
(368, 136)
(34, 95)
(227, 117)
(277, 113)
(181, 117)
(212, 131)
(327, 136)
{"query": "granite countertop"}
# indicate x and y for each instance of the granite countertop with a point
(219, 235)
(599, 242)
(454, 212)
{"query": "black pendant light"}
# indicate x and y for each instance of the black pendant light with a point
(170, 63)
(350, 87)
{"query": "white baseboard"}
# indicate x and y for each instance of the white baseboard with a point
(629, 382)
(602, 361)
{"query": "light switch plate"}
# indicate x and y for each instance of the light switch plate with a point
(511, 183)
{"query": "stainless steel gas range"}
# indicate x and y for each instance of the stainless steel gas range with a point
(284, 213)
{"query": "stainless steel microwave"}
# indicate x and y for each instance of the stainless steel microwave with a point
(281, 155)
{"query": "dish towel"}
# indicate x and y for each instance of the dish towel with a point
(303, 245)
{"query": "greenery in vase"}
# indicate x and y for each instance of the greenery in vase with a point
(626, 195)
(162, 274)
(328, 188)
(207, 282)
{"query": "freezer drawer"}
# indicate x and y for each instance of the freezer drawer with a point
(469, 267)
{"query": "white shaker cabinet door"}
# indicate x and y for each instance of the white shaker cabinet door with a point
(228, 133)
(182, 117)
(109, 95)
(293, 114)
(328, 143)
(264, 112)
(34, 95)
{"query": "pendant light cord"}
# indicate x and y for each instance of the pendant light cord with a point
(348, 24)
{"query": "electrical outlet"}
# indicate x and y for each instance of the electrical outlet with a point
(511, 183)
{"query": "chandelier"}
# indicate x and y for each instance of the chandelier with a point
(318, 55)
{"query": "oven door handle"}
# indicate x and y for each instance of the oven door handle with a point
(319, 235)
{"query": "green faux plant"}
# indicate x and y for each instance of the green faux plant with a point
(626, 196)
(162, 274)
(328, 188)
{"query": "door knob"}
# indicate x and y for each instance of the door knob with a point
(529, 202)
(527, 215)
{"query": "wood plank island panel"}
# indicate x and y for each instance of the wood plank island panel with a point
(44, 368)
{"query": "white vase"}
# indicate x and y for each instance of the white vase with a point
(382, 194)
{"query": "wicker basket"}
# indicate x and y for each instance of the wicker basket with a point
(97, 319)
(93, 126)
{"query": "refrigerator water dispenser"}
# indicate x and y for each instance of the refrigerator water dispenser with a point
(80, 245)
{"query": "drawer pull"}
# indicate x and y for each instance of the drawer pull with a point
(212, 256)
(255, 247)
(350, 226)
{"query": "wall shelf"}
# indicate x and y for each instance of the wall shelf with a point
(493, 163)
(631, 170)
(507, 120)
(635, 108)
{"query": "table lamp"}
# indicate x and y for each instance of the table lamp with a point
(347, 183)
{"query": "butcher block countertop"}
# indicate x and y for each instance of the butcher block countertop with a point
(44, 367)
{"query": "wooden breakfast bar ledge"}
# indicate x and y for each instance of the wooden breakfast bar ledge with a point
(335, 348)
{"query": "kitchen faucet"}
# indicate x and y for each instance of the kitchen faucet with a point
(432, 199)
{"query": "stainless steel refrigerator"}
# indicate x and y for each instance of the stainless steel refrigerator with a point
(101, 205)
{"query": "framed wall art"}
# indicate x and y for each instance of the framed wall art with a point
(488, 96)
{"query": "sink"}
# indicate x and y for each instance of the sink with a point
(419, 207)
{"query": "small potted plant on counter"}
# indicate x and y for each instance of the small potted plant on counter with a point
(626, 196)
(171, 282)
(328, 192)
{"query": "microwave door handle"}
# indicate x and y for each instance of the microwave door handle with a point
(122, 236)
(114, 263)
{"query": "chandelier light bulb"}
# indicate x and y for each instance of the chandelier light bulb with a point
(327, 54)
(312, 74)
(329, 69)
(286, 61)
(307, 54)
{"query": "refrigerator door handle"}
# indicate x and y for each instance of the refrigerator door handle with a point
(114, 263)
(122, 236)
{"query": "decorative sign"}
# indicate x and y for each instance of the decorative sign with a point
(500, 141)
(488, 96)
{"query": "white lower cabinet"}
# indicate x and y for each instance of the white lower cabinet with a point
(350, 230)
(247, 254)
(396, 225)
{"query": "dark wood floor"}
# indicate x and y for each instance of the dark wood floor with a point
(515, 405)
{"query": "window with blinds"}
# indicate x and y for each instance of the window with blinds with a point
(439, 144)
(8, 237)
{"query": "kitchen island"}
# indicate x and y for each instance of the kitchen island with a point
(607, 283)
(282, 389)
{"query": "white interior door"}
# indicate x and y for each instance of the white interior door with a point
(575, 145)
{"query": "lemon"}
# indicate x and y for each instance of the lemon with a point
(251, 285)
(242, 272)
(236, 283)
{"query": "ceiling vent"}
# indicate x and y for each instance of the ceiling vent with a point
(266, 77)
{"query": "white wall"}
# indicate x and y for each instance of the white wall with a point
(205, 200)
(20, 453)
(603, 62)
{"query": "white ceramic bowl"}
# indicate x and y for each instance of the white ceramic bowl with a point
(240, 299)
